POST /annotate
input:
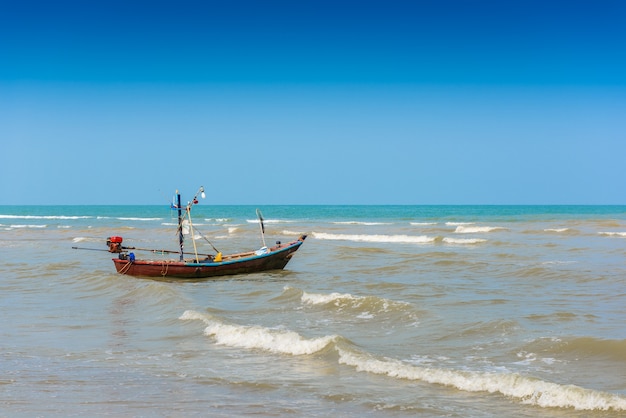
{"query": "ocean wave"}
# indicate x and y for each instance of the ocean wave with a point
(477, 229)
(586, 347)
(422, 223)
(370, 305)
(27, 226)
(527, 390)
(48, 217)
(461, 241)
(269, 221)
(139, 219)
(361, 223)
(291, 233)
(558, 262)
(408, 239)
(613, 234)
(459, 223)
(556, 230)
(260, 338)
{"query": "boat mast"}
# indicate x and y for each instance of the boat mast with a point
(180, 225)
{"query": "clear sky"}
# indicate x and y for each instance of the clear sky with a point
(313, 102)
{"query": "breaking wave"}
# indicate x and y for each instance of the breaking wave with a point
(269, 221)
(613, 234)
(556, 230)
(260, 338)
(22, 226)
(461, 229)
(347, 301)
(409, 239)
(139, 219)
(288, 232)
(527, 390)
(464, 240)
(361, 223)
(49, 217)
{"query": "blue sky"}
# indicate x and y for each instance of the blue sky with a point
(313, 102)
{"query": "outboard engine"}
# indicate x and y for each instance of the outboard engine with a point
(115, 244)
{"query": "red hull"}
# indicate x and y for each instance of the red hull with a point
(275, 259)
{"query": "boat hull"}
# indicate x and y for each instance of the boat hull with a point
(276, 258)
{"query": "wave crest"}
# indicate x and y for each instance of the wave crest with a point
(408, 239)
(460, 241)
(348, 301)
(261, 338)
(461, 229)
(613, 234)
(528, 390)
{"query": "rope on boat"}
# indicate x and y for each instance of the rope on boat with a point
(206, 239)
(195, 228)
(125, 269)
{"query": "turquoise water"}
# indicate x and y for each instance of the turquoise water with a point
(436, 311)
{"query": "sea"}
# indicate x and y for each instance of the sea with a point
(386, 311)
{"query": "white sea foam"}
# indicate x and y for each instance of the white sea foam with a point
(421, 239)
(268, 221)
(361, 223)
(528, 390)
(462, 241)
(476, 229)
(140, 219)
(27, 226)
(368, 305)
(556, 230)
(60, 217)
(459, 223)
(323, 299)
(260, 338)
(288, 232)
(613, 234)
(423, 223)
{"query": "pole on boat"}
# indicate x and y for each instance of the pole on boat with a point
(181, 238)
(189, 204)
(258, 213)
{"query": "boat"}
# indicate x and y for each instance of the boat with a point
(198, 266)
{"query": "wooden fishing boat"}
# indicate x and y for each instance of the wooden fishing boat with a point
(200, 265)
(272, 258)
